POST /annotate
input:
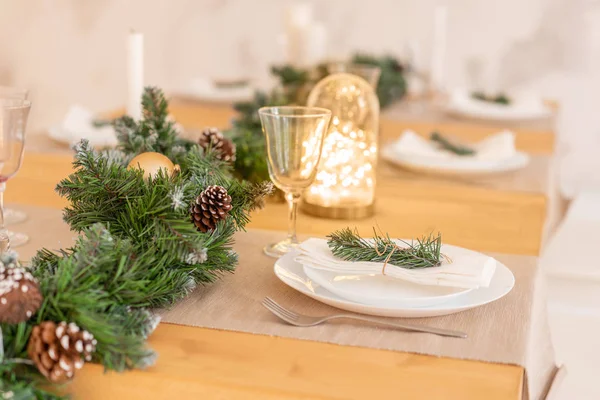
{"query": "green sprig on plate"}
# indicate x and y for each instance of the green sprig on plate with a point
(424, 252)
(500, 98)
(449, 145)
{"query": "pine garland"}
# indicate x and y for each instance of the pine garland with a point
(137, 250)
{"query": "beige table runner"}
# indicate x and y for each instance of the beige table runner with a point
(512, 330)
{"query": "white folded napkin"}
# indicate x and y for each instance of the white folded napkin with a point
(497, 147)
(463, 269)
(79, 124)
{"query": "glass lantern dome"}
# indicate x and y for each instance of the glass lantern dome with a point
(345, 183)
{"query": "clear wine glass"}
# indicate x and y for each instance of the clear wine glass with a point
(12, 143)
(294, 137)
(12, 216)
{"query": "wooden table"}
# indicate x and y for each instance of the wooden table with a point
(205, 363)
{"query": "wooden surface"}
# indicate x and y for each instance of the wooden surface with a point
(210, 364)
(203, 363)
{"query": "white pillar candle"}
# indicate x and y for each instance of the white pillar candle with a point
(314, 45)
(306, 39)
(135, 74)
(298, 18)
(438, 49)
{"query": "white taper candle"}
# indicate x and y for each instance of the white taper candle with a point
(135, 74)
(438, 48)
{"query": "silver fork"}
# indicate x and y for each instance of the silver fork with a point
(304, 320)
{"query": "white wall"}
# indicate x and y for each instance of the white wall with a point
(70, 51)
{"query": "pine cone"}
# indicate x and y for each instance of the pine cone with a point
(20, 295)
(210, 207)
(59, 349)
(214, 139)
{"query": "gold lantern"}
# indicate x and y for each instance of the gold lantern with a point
(345, 183)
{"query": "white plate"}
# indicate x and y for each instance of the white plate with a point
(204, 90)
(292, 274)
(523, 107)
(381, 290)
(455, 165)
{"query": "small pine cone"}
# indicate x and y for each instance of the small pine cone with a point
(214, 139)
(59, 349)
(210, 207)
(20, 295)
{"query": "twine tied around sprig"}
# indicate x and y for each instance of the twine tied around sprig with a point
(397, 247)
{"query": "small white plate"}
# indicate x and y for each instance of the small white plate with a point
(292, 274)
(378, 289)
(204, 90)
(455, 165)
(523, 107)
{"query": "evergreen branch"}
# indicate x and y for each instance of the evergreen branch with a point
(288, 75)
(24, 385)
(446, 144)
(154, 132)
(500, 98)
(392, 83)
(350, 246)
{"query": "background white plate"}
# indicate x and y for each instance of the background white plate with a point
(292, 274)
(523, 107)
(455, 165)
(381, 290)
(203, 89)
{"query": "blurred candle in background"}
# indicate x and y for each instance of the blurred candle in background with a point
(305, 38)
(135, 74)
(315, 44)
(438, 48)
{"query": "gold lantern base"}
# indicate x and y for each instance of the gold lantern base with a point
(348, 212)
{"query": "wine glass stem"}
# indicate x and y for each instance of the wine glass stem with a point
(4, 242)
(293, 199)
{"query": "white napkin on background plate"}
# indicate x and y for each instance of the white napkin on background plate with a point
(79, 124)
(497, 147)
(467, 269)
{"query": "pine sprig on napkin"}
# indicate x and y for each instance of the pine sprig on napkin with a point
(446, 144)
(500, 98)
(424, 252)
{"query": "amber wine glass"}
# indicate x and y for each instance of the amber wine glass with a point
(12, 216)
(294, 137)
(12, 143)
